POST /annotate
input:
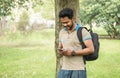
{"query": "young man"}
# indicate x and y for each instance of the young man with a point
(69, 46)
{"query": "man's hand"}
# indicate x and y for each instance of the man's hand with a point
(65, 52)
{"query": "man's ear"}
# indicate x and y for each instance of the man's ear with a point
(74, 19)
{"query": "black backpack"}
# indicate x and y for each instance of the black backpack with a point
(95, 39)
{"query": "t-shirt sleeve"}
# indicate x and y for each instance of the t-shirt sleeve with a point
(86, 35)
(59, 39)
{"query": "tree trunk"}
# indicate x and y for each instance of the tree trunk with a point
(59, 5)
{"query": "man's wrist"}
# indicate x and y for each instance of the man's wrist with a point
(73, 53)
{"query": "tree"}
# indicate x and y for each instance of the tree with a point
(99, 11)
(6, 7)
(59, 5)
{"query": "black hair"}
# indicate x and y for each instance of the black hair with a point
(66, 12)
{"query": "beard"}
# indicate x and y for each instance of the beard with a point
(69, 27)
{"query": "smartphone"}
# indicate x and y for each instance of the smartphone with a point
(59, 49)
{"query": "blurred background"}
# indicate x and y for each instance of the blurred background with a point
(27, 37)
(26, 16)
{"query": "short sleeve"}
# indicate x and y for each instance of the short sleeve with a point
(60, 40)
(86, 35)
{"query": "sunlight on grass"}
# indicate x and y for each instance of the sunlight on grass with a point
(33, 56)
(108, 64)
(28, 57)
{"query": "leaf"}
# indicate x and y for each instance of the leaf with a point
(118, 14)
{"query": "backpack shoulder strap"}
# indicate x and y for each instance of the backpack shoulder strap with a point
(80, 37)
(79, 34)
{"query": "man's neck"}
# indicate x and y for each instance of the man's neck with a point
(73, 28)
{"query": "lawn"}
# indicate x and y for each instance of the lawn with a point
(33, 56)
(108, 63)
(28, 57)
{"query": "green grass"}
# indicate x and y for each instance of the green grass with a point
(108, 63)
(33, 56)
(29, 57)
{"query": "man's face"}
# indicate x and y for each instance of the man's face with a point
(67, 23)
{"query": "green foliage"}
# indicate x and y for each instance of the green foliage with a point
(7, 5)
(118, 30)
(45, 7)
(24, 19)
(37, 3)
(4, 9)
(100, 31)
(107, 11)
(102, 9)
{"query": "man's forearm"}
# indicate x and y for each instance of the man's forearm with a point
(84, 51)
